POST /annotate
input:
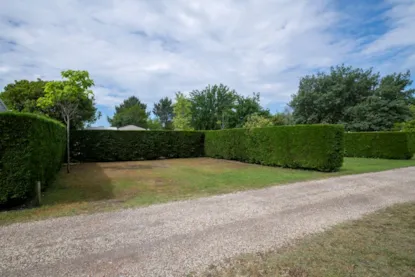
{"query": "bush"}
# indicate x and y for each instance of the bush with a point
(317, 147)
(385, 145)
(106, 146)
(411, 141)
(31, 149)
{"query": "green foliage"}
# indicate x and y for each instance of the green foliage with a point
(408, 126)
(130, 102)
(154, 124)
(258, 121)
(134, 115)
(68, 95)
(218, 107)
(361, 100)
(245, 107)
(131, 112)
(278, 119)
(182, 113)
(283, 118)
(384, 145)
(411, 141)
(317, 147)
(105, 146)
(164, 111)
(31, 149)
(412, 110)
(211, 107)
(377, 114)
(23, 95)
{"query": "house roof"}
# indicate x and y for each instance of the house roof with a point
(131, 128)
(101, 128)
(124, 128)
(3, 107)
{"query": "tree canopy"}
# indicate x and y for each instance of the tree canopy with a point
(131, 112)
(182, 112)
(164, 112)
(219, 107)
(212, 107)
(23, 95)
(360, 99)
(244, 108)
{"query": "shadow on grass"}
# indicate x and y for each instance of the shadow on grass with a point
(86, 182)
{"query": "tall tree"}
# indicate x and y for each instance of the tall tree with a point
(131, 112)
(130, 102)
(182, 112)
(67, 96)
(164, 111)
(134, 115)
(22, 96)
(244, 108)
(212, 107)
(358, 98)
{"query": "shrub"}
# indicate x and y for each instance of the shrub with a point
(385, 145)
(106, 145)
(317, 147)
(411, 141)
(31, 149)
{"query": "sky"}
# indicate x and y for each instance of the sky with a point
(154, 48)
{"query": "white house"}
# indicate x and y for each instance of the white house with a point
(3, 107)
(131, 128)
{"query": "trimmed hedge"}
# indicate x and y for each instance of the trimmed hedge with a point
(411, 141)
(107, 145)
(318, 147)
(384, 145)
(31, 149)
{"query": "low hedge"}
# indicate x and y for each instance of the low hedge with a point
(318, 147)
(384, 145)
(107, 145)
(31, 149)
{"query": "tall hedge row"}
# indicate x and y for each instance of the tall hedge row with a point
(411, 141)
(384, 145)
(318, 147)
(31, 149)
(106, 146)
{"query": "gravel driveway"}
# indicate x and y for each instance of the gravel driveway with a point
(176, 238)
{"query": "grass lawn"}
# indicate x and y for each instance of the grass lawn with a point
(93, 187)
(380, 244)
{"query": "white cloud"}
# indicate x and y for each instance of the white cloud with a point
(400, 19)
(152, 49)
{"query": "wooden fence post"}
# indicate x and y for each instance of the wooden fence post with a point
(38, 192)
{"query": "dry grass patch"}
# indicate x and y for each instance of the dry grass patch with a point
(379, 245)
(93, 187)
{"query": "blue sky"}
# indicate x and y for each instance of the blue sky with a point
(152, 49)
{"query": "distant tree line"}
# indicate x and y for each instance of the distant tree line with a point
(215, 107)
(361, 100)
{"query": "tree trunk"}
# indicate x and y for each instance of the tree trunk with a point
(67, 146)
